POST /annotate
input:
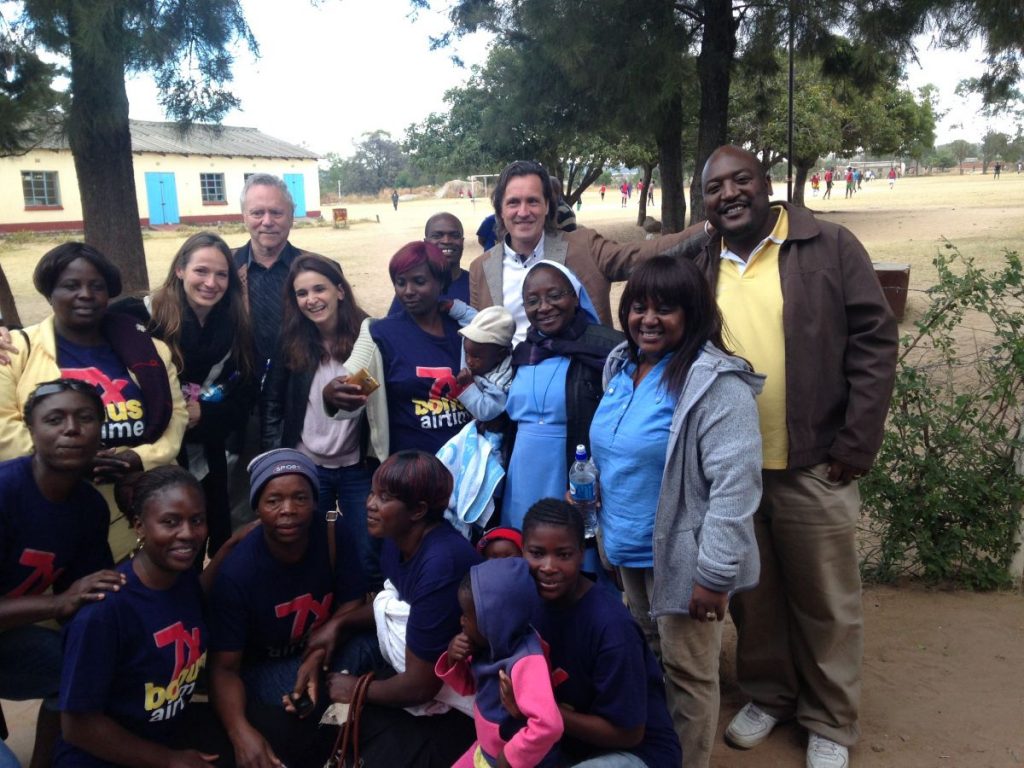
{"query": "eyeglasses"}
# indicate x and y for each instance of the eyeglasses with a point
(551, 297)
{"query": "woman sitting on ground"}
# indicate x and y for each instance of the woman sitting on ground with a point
(199, 312)
(131, 660)
(408, 720)
(53, 529)
(145, 412)
(281, 604)
(321, 323)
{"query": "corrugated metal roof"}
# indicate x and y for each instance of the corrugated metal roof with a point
(210, 140)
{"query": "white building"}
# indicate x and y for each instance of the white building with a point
(195, 178)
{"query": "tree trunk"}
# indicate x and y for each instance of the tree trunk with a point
(714, 63)
(641, 215)
(669, 136)
(800, 181)
(101, 144)
(8, 310)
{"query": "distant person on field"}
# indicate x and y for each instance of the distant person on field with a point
(892, 178)
(996, 170)
(829, 174)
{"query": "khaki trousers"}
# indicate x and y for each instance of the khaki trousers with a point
(801, 630)
(688, 651)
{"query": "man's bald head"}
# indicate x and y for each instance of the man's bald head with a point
(736, 197)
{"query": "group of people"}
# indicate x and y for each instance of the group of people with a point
(408, 479)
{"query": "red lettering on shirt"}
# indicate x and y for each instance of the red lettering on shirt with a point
(302, 606)
(444, 383)
(187, 647)
(42, 576)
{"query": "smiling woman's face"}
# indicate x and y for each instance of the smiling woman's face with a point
(549, 300)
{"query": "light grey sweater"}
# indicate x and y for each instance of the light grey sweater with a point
(703, 528)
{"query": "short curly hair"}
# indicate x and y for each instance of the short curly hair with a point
(56, 260)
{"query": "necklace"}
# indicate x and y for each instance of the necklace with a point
(544, 397)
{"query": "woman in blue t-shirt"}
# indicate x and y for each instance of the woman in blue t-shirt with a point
(607, 683)
(321, 323)
(415, 355)
(54, 556)
(408, 720)
(145, 412)
(281, 603)
(131, 660)
(199, 313)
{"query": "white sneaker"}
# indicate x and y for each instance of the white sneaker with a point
(750, 727)
(825, 753)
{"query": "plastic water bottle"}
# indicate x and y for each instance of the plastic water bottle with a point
(215, 393)
(583, 489)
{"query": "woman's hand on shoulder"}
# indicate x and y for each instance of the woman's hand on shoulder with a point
(7, 347)
(339, 394)
(708, 605)
(88, 589)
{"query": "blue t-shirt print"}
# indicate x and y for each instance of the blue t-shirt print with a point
(100, 366)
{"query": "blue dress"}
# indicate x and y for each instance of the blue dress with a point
(536, 469)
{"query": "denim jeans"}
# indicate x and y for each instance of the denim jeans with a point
(30, 662)
(349, 487)
(267, 681)
(613, 760)
(7, 758)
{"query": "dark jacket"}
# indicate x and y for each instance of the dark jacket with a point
(841, 342)
(283, 403)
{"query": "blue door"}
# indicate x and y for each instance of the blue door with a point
(162, 198)
(297, 186)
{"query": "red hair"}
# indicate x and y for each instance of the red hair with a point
(411, 255)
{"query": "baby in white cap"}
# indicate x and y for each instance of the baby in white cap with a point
(487, 342)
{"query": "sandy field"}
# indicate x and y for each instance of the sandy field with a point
(943, 670)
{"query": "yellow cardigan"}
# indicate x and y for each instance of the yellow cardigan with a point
(29, 368)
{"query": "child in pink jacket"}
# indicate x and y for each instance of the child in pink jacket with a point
(498, 598)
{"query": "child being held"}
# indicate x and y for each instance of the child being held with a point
(497, 598)
(500, 542)
(488, 372)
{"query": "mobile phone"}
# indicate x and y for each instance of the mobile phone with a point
(364, 381)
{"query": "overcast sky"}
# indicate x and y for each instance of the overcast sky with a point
(332, 71)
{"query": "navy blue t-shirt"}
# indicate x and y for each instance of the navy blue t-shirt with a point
(611, 672)
(429, 583)
(100, 366)
(419, 370)
(45, 543)
(134, 656)
(267, 608)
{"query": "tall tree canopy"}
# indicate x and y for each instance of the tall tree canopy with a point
(183, 42)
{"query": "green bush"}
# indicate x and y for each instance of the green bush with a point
(944, 501)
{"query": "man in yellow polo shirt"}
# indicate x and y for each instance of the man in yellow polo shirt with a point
(801, 302)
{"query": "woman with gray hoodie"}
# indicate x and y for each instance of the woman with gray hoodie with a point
(677, 442)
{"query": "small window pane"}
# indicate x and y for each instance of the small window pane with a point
(40, 188)
(211, 186)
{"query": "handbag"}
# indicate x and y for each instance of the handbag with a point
(347, 741)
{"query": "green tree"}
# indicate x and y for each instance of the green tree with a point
(183, 42)
(994, 146)
(960, 150)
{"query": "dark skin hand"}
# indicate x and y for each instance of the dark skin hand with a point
(840, 472)
(465, 378)
(111, 464)
(343, 396)
(707, 605)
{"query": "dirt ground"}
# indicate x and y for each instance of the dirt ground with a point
(943, 670)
